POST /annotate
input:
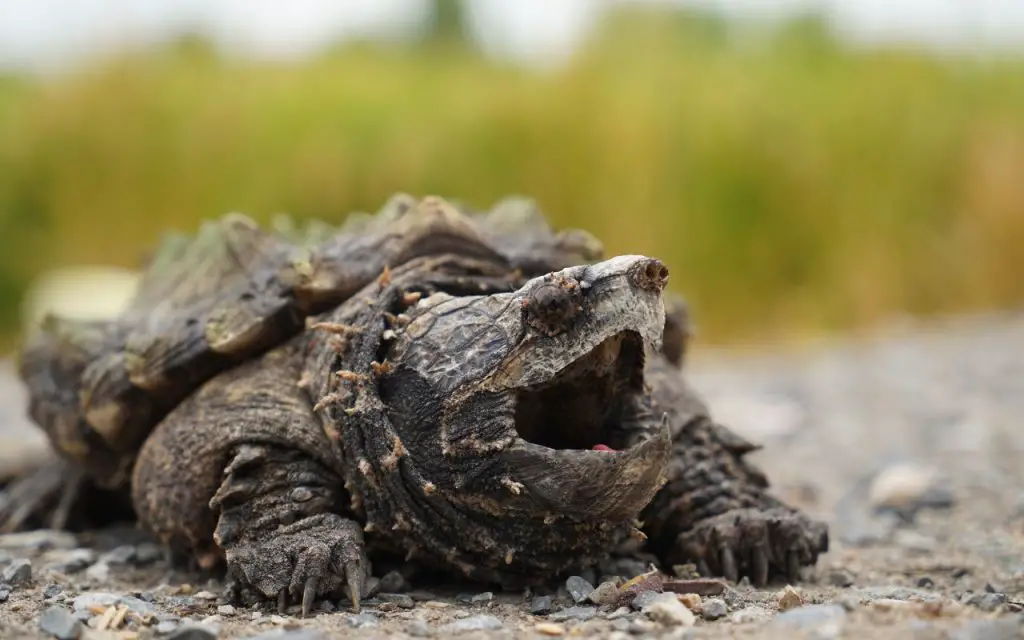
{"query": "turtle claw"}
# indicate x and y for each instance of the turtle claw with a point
(309, 595)
(305, 560)
(760, 544)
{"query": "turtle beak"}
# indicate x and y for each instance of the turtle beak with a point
(588, 484)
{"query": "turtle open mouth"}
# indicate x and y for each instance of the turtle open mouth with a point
(584, 405)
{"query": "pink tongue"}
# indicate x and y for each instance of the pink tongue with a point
(602, 447)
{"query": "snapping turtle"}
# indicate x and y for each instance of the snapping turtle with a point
(472, 392)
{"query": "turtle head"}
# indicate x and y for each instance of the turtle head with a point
(524, 417)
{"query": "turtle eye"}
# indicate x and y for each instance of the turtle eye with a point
(552, 307)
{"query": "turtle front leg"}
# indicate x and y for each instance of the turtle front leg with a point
(280, 529)
(715, 510)
(242, 471)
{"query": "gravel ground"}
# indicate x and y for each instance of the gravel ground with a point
(906, 443)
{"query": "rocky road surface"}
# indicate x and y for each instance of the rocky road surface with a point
(909, 444)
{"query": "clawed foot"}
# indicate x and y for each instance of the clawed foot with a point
(308, 559)
(760, 544)
(42, 496)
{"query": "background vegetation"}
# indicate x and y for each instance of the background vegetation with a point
(793, 185)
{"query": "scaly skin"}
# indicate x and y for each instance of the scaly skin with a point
(451, 412)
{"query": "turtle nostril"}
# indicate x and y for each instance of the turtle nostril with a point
(651, 275)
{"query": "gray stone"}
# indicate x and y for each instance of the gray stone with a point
(5, 593)
(291, 634)
(91, 599)
(18, 573)
(226, 610)
(621, 612)
(39, 540)
(987, 601)
(59, 623)
(119, 555)
(894, 593)
(1011, 628)
(644, 598)
(402, 600)
(666, 609)
(137, 605)
(541, 605)
(840, 578)
(166, 626)
(605, 593)
(52, 590)
(393, 582)
(578, 588)
(419, 629)
(820, 621)
(573, 613)
(99, 572)
(485, 622)
(72, 561)
(714, 608)
(147, 553)
(363, 620)
(193, 632)
(482, 598)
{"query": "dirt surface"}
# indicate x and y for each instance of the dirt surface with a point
(908, 444)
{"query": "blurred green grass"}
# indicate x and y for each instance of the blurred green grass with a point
(792, 185)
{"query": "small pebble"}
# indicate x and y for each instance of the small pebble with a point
(840, 578)
(925, 582)
(578, 588)
(226, 610)
(119, 555)
(541, 605)
(60, 623)
(481, 598)
(573, 613)
(363, 620)
(193, 632)
(485, 622)
(205, 595)
(789, 598)
(550, 629)
(393, 582)
(291, 634)
(419, 629)
(72, 561)
(713, 609)
(99, 572)
(5, 593)
(276, 619)
(148, 553)
(644, 598)
(52, 590)
(39, 540)
(817, 620)
(605, 593)
(621, 612)
(166, 626)
(667, 610)
(464, 598)
(987, 602)
(691, 601)
(401, 600)
(18, 573)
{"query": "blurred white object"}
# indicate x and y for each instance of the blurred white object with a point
(81, 293)
(756, 416)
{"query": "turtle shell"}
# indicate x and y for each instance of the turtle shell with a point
(234, 290)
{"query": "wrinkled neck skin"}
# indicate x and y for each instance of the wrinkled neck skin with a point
(494, 432)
